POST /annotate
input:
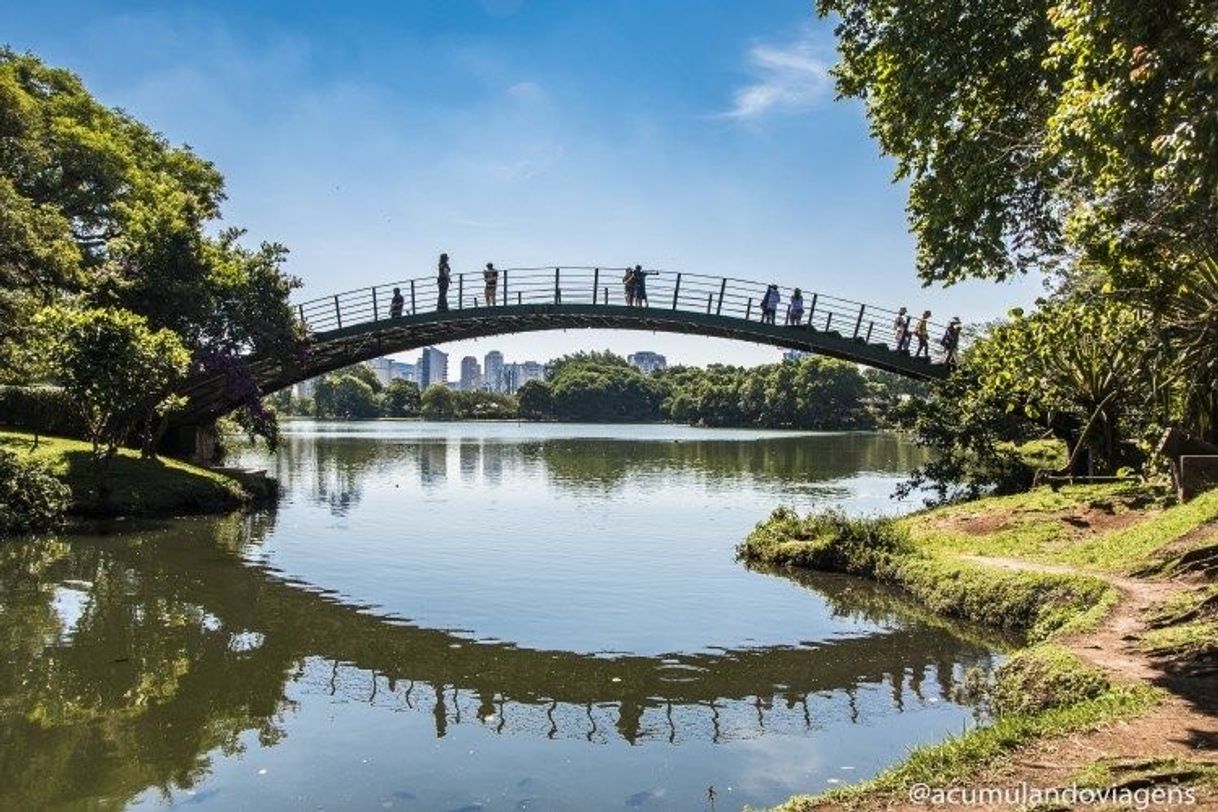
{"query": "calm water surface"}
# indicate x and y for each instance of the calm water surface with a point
(473, 617)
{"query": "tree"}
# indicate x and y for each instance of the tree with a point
(1039, 132)
(96, 204)
(437, 402)
(401, 398)
(354, 399)
(536, 401)
(116, 370)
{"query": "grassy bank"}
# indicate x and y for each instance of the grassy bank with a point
(137, 486)
(1045, 565)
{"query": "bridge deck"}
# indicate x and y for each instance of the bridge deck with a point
(357, 325)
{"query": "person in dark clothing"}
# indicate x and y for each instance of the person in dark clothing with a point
(951, 341)
(640, 285)
(629, 281)
(443, 278)
(491, 277)
(396, 304)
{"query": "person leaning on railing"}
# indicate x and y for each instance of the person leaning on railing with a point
(795, 309)
(640, 285)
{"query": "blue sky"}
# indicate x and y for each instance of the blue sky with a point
(696, 135)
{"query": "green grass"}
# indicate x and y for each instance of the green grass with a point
(1043, 677)
(1149, 772)
(1044, 690)
(138, 487)
(1033, 604)
(1194, 640)
(1041, 526)
(959, 758)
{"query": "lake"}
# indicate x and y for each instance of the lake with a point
(474, 616)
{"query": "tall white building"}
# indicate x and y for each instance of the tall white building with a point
(646, 361)
(432, 368)
(492, 371)
(471, 376)
(383, 369)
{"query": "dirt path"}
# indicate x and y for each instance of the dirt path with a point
(1183, 726)
(1113, 645)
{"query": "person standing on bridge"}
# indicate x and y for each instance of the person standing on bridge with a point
(629, 280)
(795, 309)
(443, 278)
(922, 332)
(491, 277)
(396, 304)
(769, 304)
(640, 285)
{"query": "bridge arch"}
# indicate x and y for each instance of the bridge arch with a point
(358, 325)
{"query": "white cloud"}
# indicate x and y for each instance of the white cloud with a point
(788, 78)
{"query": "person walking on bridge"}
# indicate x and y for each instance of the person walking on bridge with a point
(491, 277)
(795, 309)
(900, 329)
(951, 341)
(443, 278)
(396, 304)
(922, 332)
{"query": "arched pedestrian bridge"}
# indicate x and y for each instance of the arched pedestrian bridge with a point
(358, 325)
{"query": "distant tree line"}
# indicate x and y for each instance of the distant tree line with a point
(808, 393)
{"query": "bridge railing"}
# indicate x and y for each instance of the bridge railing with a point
(603, 286)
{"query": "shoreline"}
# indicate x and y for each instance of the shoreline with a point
(157, 488)
(1114, 682)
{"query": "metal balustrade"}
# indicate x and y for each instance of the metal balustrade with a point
(724, 297)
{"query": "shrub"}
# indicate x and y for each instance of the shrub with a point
(40, 409)
(1044, 677)
(31, 499)
(828, 541)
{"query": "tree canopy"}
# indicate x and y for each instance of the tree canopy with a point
(97, 210)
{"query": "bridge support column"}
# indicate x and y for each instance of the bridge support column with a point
(197, 444)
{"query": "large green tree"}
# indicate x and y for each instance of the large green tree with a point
(1073, 136)
(98, 208)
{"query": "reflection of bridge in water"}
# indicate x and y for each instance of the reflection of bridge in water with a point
(357, 325)
(507, 688)
(178, 632)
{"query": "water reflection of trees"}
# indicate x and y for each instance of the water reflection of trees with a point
(180, 648)
(332, 471)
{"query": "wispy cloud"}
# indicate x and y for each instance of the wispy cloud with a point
(788, 78)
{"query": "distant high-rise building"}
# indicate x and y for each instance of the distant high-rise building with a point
(646, 361)
(794, 355)
(492, 371)
(471, 376)
(403, 371)
(432, 368)
(383, 369)
(517, 375)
